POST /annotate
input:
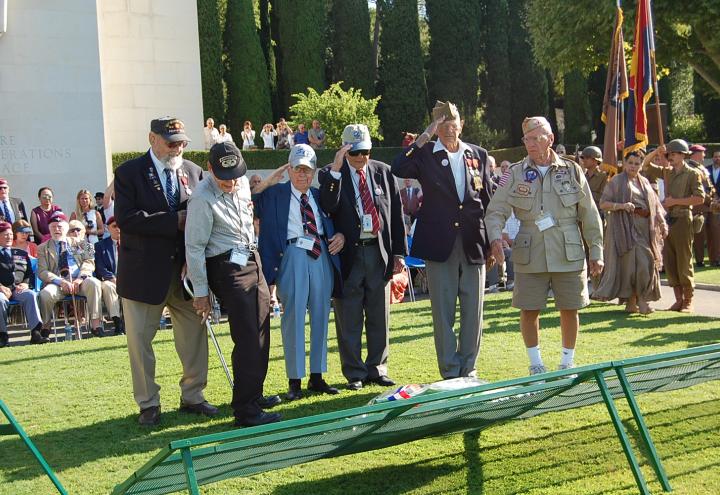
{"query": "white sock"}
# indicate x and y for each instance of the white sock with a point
(568, 355)
(534, 355)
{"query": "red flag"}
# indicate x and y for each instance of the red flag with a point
(616, 90)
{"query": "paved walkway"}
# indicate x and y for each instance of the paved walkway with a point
(706, 302)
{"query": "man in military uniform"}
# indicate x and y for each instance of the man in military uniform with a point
(697, 161)
(683, 189)
(552, 199)
(591, 158)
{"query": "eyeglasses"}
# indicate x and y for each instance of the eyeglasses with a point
(543, 138)
(176, 144)
(359, 152)
(72, 231)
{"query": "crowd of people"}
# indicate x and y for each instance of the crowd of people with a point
(274, 137)
(548, 226)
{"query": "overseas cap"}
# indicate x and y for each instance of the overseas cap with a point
(302, 154)
(678, 146)
(445, 110)
(226, 161)
(532, 123)
(358, 135)
(170, 128)
(592, 152)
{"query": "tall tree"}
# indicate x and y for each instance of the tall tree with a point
(401, 81)
(351, 49)
(211, 52)
(267, 48)
(454, 52)
(300, 34)
(528, 83)
(577, 109)
(248, 88)
(495, 89)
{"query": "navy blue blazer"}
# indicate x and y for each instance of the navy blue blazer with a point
(715, 184)
(272, 207)
(442, 215)
(105, 267)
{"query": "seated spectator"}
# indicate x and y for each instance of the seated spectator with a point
(22, 232)
(316, 135)
(86, 213)
(106, 271)
(16, 283)
(65, 266)
(224, 136)
(301, 135)
(76, 230)
(268, 136)
(40, 215)
(248, 136)
(11, 209)
(284, 135)
(99, 197)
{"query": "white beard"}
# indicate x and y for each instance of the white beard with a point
(172, 162)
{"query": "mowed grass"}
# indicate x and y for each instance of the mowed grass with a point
(75, 402)
(707, 275)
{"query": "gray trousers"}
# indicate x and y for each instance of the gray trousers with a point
(366, 296)
(28, 301)
(449, 280)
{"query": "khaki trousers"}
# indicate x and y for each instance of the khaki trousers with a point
(677, 253)
(110, 298)
(51, 295)
(141, 325)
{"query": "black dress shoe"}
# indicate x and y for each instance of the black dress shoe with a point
(149, 416)
(322, 387)
(119, 325)
(4, 339)
(263, 418)
(294, 390)
(204, 408)
(45, 333)
(382, 380)
(38, 337)
(355, 385)
(269, 402)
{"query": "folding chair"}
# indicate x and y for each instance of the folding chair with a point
(416, 264)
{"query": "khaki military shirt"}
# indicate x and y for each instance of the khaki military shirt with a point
(683, 184)
(597, 183)
(565, 194)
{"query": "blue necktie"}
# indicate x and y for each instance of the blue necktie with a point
(63, 262)
(170, 190)
(7, 255)
(6, 212)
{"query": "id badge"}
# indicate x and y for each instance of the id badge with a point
(305, 242)
(239, 257)
(367, 225)
(545, 221)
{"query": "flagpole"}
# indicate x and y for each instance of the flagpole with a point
(661, 137)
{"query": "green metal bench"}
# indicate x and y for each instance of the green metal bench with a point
(14, 428)
(186, 464)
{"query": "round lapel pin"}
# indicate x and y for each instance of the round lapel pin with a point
(445, 162)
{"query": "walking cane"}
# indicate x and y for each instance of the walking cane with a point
(211, 333)
(65, 273)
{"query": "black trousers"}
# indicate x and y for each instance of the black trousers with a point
(245, 295)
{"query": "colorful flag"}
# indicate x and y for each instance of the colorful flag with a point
(641, 84)
(616, 91)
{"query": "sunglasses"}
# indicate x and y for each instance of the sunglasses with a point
(176, 144)
(72, 231)
(359, 152)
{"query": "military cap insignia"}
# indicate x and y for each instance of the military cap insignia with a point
(229, 161)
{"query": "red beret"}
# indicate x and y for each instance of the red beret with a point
(58, 217)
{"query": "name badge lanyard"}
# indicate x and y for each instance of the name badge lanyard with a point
(238, 221)
(364, 216)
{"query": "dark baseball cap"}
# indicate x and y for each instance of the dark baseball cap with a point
(227, 161)
(169, 128)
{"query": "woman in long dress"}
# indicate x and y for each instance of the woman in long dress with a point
(633, 241)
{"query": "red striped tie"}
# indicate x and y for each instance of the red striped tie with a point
(367, 202)
(310, 227)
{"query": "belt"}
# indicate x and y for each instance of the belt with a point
(226, 254)
(560, 221)
(295, 239)
(367, 242)
(642, 213)
(680, 212)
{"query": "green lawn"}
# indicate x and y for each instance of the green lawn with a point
(708, 275)
(75, 401)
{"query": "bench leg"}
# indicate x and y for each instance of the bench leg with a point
(193, 488)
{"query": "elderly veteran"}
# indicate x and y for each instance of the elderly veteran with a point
(363, 199)
(450, 234)
(65, 266)
(222, 256)
(298, 248)
(552, 199)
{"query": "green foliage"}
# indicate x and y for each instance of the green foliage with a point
(476, 131)
(211, 52)
(495, 85)
(246, 71)
(690, 128)
(300, 34)
(350, 41)
(454, 52)
(708, 105)
(578, 120)
(335, 108)
(681, 84)
(401, 78)
(528, 82)
(266, 44)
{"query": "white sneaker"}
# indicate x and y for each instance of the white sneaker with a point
(493, 289)
(566, 366)
(537, 369)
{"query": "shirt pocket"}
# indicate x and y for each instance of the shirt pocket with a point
(574, 250)
(523, 200)
(568, 192)
(521, 249)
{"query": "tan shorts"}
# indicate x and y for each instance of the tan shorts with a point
(569, 288)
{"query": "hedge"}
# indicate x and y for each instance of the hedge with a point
(272, 159)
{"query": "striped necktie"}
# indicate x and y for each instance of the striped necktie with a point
(6, 212)
(308, 218)
(170, 190)
(367, 202)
